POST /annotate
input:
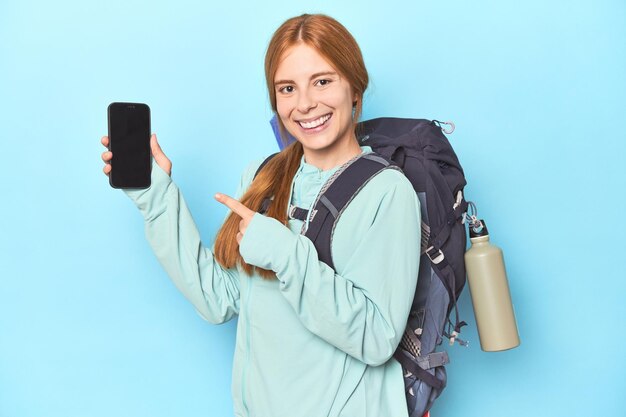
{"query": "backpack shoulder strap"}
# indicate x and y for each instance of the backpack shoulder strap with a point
(332, 202)
(266, 202)
(264, 163)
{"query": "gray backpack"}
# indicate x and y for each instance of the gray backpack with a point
(421, 151)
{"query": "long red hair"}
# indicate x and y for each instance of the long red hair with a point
(333, 41)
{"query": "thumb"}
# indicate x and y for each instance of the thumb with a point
(159, 156)
(155, 147)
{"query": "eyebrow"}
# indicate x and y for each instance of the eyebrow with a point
(317, 74)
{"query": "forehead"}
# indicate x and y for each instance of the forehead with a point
(300, 62)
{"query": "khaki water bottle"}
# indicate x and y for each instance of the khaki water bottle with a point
(490, 292)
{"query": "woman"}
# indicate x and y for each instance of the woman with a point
(311, 340)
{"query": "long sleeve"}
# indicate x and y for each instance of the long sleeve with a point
(362, 311)
(175, 240)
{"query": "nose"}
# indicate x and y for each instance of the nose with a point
(306, 102)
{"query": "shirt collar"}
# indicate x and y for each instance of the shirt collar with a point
(306, 168)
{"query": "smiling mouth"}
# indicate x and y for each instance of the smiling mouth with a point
(316, 123)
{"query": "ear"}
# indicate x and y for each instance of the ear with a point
(355, 97)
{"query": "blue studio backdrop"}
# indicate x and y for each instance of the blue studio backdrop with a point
(90, 325)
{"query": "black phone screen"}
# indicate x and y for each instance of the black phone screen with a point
(129, 141)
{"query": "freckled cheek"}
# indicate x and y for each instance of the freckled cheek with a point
(283, 108)
(334, 99)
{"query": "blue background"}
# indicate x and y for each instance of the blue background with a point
(90, 325)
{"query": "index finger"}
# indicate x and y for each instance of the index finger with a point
(236, 206)
(105, 140)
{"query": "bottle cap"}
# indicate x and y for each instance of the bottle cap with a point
(480, 230)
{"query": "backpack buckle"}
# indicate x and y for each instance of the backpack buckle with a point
(431, 255)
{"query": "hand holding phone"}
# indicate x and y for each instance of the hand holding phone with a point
(160, 158)
(157, 153)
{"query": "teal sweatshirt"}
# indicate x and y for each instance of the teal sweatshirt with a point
(315, 341)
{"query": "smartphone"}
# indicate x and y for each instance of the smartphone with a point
(129, 141)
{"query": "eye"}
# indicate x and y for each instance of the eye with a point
(323, 82)
(286, 89)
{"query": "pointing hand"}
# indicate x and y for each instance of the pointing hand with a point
(240, 210)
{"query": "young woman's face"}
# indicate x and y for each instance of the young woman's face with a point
(313, 101)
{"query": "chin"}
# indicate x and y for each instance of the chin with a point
(316, 144)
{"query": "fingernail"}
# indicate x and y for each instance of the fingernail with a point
(218, 196)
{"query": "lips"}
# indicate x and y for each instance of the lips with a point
(312, 124)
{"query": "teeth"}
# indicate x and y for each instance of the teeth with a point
(315, 123)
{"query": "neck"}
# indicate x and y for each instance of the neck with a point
(325, 159)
